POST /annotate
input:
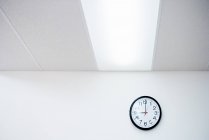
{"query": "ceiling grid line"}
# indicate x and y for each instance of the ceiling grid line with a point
(157, 33)
(20, 38)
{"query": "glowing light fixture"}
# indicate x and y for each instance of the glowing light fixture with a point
(122, 32)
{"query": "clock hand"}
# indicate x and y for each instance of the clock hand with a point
(145, 109)
(144, 112)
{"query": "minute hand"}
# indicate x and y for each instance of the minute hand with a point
(145, 108)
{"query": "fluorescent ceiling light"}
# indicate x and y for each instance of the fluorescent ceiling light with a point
(122, 32)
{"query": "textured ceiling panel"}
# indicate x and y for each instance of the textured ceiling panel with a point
(13, 55)
(54, 31)
(52, 35)
(183, 36)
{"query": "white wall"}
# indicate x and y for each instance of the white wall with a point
(95, 105)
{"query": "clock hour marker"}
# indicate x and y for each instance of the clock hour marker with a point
(150, 121)
(137, 117)
(134, 112)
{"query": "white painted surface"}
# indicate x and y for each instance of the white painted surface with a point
(95, 105)
(122, 32)
(54, 31)
(13, 56)
(182, 41)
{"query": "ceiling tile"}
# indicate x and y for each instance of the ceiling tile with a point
(183, 38)
(13, 55)
(55, 32)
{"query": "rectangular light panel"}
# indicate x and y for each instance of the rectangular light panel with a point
(122, 32)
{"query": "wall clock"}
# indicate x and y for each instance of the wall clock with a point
(145, 113)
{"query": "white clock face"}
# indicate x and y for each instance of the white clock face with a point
(145, 112)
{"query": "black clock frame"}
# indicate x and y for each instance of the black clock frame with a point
(133, 120)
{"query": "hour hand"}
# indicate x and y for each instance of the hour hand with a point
(144, 113)
(145, 108)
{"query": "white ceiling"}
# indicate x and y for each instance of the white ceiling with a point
(53, 35)
(183, 36)
(53, 31)
(13, 55)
